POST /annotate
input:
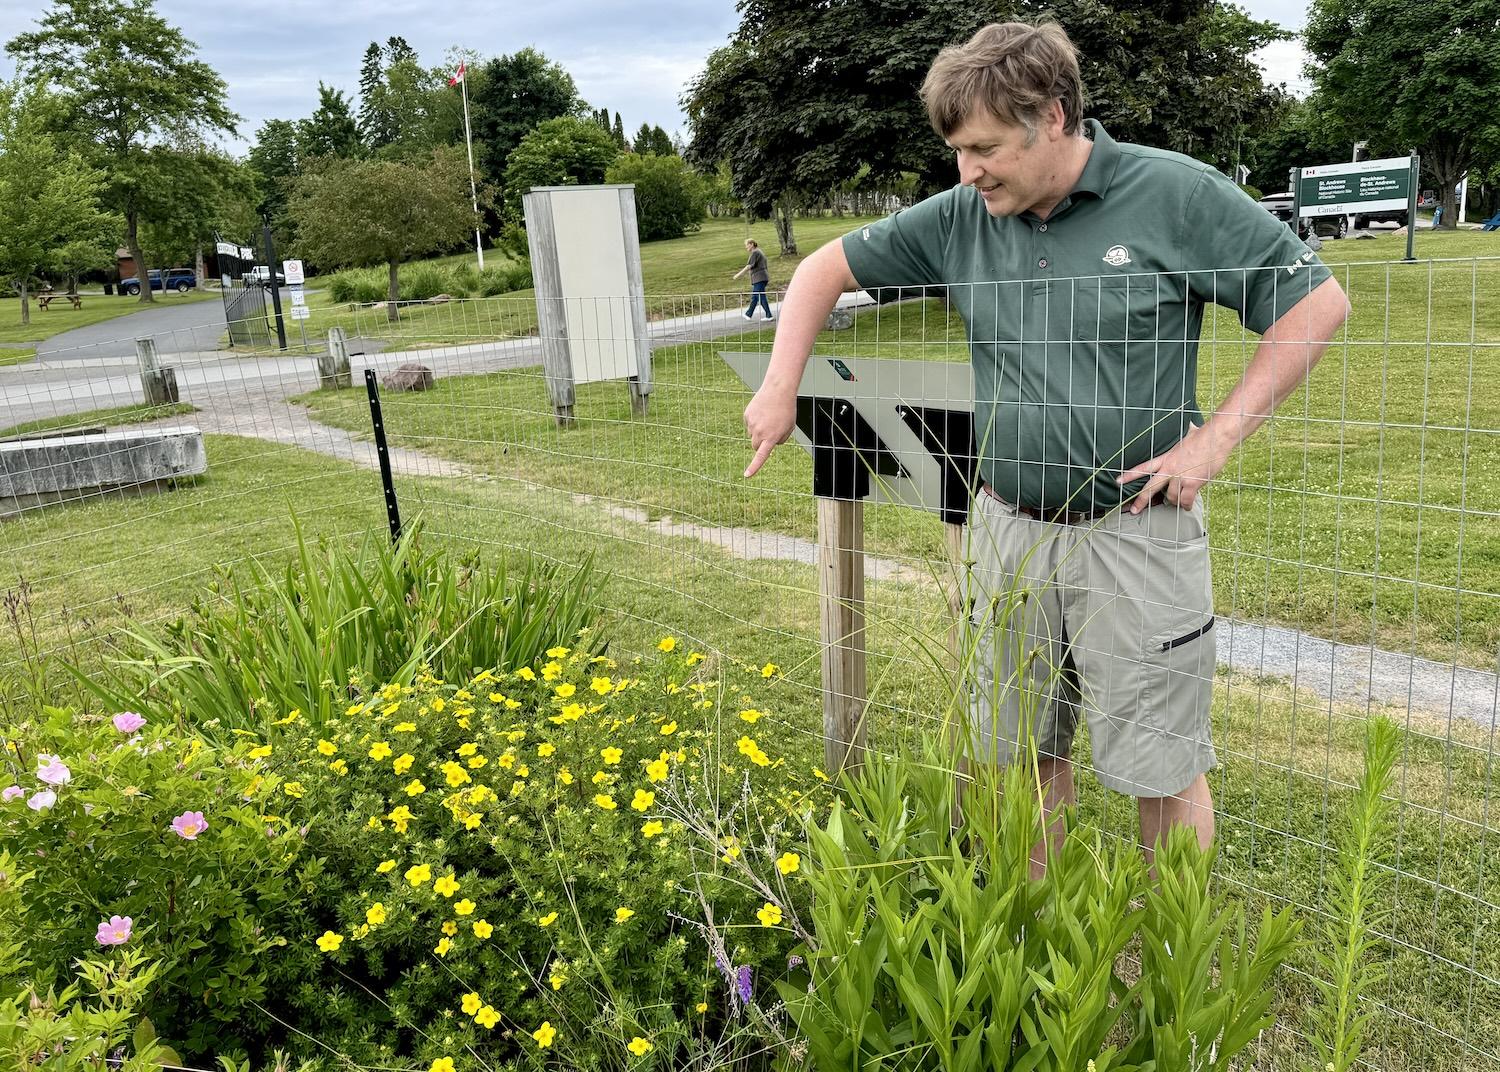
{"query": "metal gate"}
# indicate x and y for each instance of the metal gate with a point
(245, 315)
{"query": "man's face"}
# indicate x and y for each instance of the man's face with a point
(1012, 168)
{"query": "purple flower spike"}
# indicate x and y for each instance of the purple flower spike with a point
(115, 930)
(189, 825)
(742, 984)
(128, 721)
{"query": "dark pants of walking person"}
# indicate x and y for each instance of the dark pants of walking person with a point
(758, 295)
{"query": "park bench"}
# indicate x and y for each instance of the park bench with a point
(1492, 224)
(46, 299)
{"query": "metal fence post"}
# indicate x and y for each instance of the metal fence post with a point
(392, 510)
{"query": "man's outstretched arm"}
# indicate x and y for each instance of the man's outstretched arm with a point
(1287, 353)
(814, 291)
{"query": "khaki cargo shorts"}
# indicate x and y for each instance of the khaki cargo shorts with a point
(1111, 620)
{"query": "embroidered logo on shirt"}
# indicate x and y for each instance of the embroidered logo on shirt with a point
(865, 234)
(1117, 256)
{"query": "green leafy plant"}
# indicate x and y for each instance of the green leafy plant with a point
(930, 947)
(1353, 910)
(296, 640)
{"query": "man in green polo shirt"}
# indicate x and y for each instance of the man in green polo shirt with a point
(1081, 267)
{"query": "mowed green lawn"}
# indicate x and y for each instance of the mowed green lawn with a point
(1287, 759)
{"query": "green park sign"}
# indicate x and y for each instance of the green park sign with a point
(1357, 188)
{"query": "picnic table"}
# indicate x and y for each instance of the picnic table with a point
(46, 298)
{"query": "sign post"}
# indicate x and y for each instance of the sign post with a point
(1358, 188)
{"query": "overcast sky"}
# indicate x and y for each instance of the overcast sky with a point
(631, 58)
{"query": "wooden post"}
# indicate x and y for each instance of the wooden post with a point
(841, 589)
(333, 366)
(158, 382)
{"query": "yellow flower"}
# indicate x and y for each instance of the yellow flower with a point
(487, 1017)
(702, 1006)
(565, 690)
(261, 752)
(547, 920)
(473, 822)
(293, 789)
(788, 862)
(454, 774)
(468, 748)
(651, 829)
(444, 944)
(402, 763)
(475, 762)
(439, 703)
(442, 1064)
(526, 673)
(668, 729)
(506, 761)
(497, 697)
(400, 816)
(750, 715)
(622, 914)
(353, 709)
(644, 798)
(600, 777)
(415, 788)
(447, 885)
(769, 670)
(327, 748)
(820, 775)
(386, 865)
(449, 927)
(339, 767)
(565, 776)
(375, 914)
(544, 1034)
(380, 750)
(769, 915)
(746, 745)
(611, 755)
(605, 801)
(602, 685)
(552, 671)
(464, 908)
(483, 928)
(330, 941)
(558, 652)
(639, 1046)
(418, 874)
(361, 931)
(666, 644)
(293, 717)
(404, 727)
(472, 1003)
(656, 770)
(557, 979)
(545, 749)
(695, 657)
(522, 771)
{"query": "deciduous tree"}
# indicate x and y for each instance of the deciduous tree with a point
(129, 81)
(560, 152)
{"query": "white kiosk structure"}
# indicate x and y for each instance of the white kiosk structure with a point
(590, 298)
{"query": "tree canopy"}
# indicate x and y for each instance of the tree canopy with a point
(670, 198)
(1412, 76)
(366, 212)
(560, 152)
(129, 80)
(514, 95)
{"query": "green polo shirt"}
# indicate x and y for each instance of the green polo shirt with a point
(1083, 328)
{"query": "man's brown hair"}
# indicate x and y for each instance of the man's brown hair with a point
(1013, 69)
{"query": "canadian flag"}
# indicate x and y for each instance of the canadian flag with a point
(457, 78)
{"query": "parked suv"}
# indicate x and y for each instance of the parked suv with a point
(1280, 206)
(181, 280)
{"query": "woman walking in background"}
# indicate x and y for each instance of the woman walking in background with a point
(760, 275)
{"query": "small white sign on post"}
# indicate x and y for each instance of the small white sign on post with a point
(300, 312)
(298, 298)
(293, 272)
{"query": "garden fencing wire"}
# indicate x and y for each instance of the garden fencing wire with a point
(1353, 543)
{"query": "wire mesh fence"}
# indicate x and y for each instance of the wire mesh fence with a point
(1353, 546)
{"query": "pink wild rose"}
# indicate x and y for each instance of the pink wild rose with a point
(11, 792)
(115, 930)
(128, 721)
(189, 825)
(42, 801)
(52, 770)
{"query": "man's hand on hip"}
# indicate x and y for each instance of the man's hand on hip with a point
(1180, 473)
(769, 419)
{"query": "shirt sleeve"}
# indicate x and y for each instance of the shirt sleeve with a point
(906, 249)
(1243, 257)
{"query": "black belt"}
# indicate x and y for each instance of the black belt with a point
(1063, 516)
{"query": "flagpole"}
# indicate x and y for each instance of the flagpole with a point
(473, 190)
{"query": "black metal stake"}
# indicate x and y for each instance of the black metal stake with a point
(275, 290)
(392, 511)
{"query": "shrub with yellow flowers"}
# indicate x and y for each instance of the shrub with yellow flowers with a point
(515, 866)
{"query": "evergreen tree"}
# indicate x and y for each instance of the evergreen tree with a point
(331, 131)
(619, 133)
(641, 145)
(375, 124)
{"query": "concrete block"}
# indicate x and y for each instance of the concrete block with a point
(62, 468)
